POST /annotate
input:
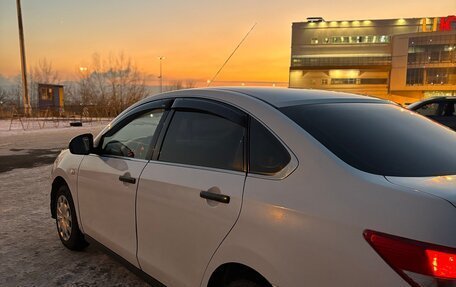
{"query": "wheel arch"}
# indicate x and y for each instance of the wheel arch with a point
(229, 272)
(56, 184)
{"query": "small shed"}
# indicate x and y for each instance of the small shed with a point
(50, 96)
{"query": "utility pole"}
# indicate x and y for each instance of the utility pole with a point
(25, 97)
(161, 75)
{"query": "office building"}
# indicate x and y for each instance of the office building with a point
(403, 60)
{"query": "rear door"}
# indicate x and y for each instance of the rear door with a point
(189, 196)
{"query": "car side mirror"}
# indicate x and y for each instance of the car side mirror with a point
(82, 144)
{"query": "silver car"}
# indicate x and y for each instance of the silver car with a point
(259, 187)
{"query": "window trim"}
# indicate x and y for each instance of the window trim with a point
(212, 107)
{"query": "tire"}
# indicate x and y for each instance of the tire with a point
(66, 220)
(244, 283)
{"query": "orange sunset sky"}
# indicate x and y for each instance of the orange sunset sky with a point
(195, 36)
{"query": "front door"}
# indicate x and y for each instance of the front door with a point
(108, 181)
(190, 196)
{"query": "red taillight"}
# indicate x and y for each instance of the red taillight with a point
(412, 259)
(443, 265)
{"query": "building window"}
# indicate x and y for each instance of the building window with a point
(349, 81)
(373, 81)
(46, 94)
(431, 54)
(384, 39)
(314, 41)
(324, 81)
(415, 77)
(342, 61)
(441, 76)
(358, 39)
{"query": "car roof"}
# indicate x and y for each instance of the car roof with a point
(282, 97)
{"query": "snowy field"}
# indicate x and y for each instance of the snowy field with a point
(30, 251)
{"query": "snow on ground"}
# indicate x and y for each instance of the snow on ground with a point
(30, 250)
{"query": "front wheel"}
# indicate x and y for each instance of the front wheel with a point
(67, 222)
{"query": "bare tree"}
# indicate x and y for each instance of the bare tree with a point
(8, 98)
(114, 82)
(72, 96)
(4, 95)
(41, 73)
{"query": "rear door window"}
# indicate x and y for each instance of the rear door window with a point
(204, 139)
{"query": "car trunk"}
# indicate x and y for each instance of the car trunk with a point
(441, 186)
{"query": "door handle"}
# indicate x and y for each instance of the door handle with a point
(127, 178)
(215, 196)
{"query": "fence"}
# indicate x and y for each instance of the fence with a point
(54, 117)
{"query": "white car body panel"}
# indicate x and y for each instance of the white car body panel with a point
(107, 205)
(441, 186)
(66, 166)
(304, 236)
(178, 231)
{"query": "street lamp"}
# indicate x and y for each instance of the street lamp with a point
(161, 75)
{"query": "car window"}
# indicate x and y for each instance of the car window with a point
(449, 109)
(431, 109)
(267, 154)
(204, 139)
(134, 140)
(382, 139)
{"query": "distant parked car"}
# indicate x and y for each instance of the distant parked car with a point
(440, 109)
(256, 187)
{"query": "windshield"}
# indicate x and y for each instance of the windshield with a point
(378, 138)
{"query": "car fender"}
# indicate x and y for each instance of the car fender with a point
(231, 252)
(66, 166)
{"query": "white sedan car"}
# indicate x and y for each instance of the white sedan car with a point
(232, 187)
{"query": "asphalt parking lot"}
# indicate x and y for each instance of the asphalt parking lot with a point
(30, 251)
